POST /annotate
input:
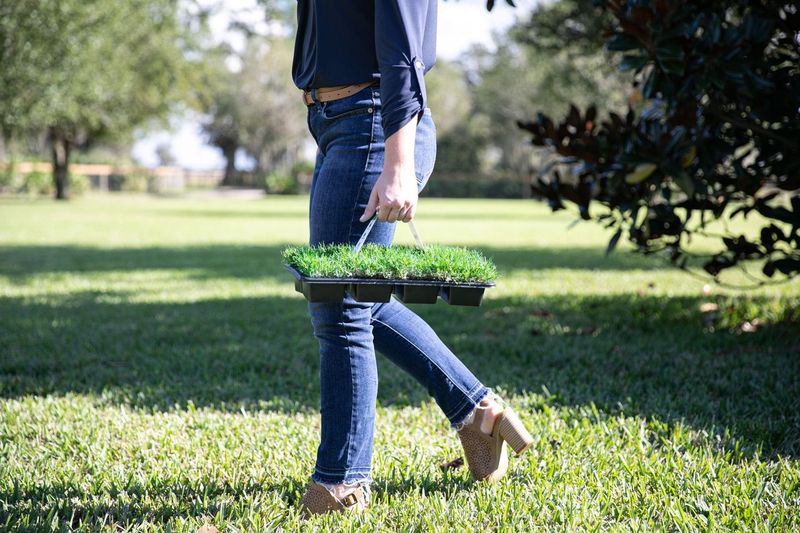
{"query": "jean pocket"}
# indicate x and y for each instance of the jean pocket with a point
(359, 103)
(331, 114)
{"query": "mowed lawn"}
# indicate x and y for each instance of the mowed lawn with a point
(158, 371)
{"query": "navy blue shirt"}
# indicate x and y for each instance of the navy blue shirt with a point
(342, 42)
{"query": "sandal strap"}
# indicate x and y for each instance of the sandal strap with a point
(353, 498)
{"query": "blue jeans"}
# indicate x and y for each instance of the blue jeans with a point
(349, 160)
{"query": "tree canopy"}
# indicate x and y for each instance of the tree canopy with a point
(88, 69)
(257, 108)
(546, 60)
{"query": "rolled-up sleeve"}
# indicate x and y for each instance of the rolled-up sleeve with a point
(399, 31)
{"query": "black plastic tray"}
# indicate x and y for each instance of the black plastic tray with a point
(412, 291)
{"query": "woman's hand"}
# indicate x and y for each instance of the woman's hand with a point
(394, 195)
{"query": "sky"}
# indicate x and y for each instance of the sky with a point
(461, 24)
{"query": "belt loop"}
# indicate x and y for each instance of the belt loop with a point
(314, 95)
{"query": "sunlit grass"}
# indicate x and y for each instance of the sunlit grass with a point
(158, 371)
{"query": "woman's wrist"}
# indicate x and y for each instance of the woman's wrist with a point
(399, 151)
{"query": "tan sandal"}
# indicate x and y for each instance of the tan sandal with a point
(319, 500)
(486, 453)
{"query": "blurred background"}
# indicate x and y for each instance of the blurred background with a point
(209, 100)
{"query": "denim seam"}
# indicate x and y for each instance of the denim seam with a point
(426, 356)
(352, 387)
(366, 161)
(364, 480)
(345, 471)
(474, 401)
(467, 400)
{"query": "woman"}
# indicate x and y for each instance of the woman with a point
(361, 64)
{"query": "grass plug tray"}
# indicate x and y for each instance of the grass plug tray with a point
(458, 276)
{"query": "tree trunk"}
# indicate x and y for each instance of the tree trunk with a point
(229, 153)
(61, 147)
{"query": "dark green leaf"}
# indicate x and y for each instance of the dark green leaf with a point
(613, 242)
(622, 43)
(632, 62)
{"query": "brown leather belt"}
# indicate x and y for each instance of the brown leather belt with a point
(326, 94)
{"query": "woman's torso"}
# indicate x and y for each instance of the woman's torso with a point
(335, 41)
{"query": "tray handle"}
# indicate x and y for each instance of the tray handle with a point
(363, 238)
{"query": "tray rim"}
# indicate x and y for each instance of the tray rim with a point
(387, 281)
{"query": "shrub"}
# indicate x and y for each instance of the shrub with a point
(78, 184)
(716, 138)
(443, 186)
(38, 183)
(132, 182)
(302, 167)
(135, 182)
(9, 180)
(276, 183)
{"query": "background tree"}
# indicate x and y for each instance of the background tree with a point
(223, 110)
(256, 107)
(563, 63)
(164, 154)
(449, 95)
(274, 122)
(460, 138)
(716, 136)
(546, 62)
(84, 70)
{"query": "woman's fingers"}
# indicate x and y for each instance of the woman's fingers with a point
(408, 215)
(387, 212)
(392, 211)
(383, 212)
(393, 214)
(401, 215)
(372, 206)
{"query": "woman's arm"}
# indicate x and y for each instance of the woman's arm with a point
(400, 27)
(395, 193)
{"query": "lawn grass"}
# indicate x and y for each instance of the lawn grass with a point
(158, 371)
(433, 262)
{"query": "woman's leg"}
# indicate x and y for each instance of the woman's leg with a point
(350, 160)
(348, 374)
(410, 343)
(406, 339)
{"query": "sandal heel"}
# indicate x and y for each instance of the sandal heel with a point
(513, 431)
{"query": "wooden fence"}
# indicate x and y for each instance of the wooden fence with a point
(102, 176)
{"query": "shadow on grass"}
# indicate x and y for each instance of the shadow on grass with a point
(252, 262)
(450, 215)
(73, 506)
(647, 355)
(133, 503)
(588, 258)
(198, 262)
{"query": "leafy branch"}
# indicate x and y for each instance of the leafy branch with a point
(716, 134)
